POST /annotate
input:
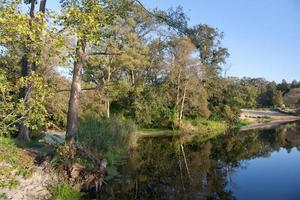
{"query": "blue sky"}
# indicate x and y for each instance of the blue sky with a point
(263, 36)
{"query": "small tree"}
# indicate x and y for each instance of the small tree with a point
(278, 99)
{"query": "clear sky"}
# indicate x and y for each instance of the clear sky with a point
(263, 36)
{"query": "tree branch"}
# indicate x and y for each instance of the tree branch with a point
(169, 22)
(83, 89)
(105, 53)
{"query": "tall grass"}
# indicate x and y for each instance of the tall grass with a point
(103, 135)
(110, 138)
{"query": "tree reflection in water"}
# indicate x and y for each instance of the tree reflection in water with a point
(171, 168)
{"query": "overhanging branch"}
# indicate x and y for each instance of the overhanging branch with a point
(169, 22)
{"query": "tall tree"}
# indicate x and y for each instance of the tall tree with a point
(128, 59)
(208, 41)
(28, 61)
(85, 20)
(184, 75)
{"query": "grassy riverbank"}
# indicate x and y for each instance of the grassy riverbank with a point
(198, 129)
(197, 126)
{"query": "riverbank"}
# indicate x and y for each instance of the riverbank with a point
(20, 178)
(27, 171)
(196, 126)
(265, 119)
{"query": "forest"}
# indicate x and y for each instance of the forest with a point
(104, 70)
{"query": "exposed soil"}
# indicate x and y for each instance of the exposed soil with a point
(265, 119)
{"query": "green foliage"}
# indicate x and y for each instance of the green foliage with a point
(3, 196)
(152, 109)
(36, 111)
(208, 41)
(7, 106)
(31, 111)
(64, 192)
(278, 99)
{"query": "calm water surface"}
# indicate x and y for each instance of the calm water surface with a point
(251, 165)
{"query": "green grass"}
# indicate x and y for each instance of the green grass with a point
(203, 129)
(209, 126)
(240, 123)
(3, 196)
(14, 162)
(64, 192)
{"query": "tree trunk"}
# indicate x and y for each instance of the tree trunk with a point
(107, 105)
(72, 119)
(26, 68)
(178, 94)
(107, 91)
(132, 78)
(24, 133)
(182, 103)
(43, 6)
(32, 8)
(25, 94)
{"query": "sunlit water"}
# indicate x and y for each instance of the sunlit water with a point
(249, 165)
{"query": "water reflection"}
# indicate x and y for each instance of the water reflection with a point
(171, 168)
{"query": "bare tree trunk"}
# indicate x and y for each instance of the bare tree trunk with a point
(72, 119)
(178, 94)
(107, 105)
(107, 92)
(43, 6)
(25, 94)
(132, 78)
(182, 103)
(26, 71)
(32, 8)
(24, 133)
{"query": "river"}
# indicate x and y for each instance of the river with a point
(242, 165)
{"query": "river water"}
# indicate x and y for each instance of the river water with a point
(249, 165)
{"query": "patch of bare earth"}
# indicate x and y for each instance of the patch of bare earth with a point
(265, 119)
(34, 187)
